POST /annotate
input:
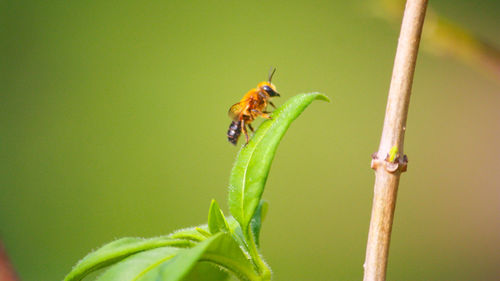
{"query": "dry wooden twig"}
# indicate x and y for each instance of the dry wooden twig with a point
(390, 161)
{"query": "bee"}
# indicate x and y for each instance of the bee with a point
(252, 105)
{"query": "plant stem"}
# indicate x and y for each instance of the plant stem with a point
(264, 270)
(387, 179)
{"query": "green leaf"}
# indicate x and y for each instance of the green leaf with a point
(191, 233)
(118, 250)
(237, 233)
(203, 232)
(227, 253)
(257, 219)
(166, 264)
(141, 266)
(194, 235)
(206, 271)
(174, 264)
(216, 220)
(249, 174)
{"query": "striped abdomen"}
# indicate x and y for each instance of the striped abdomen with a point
(234, 132)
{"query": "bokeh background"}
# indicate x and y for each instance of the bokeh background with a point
(113, 123)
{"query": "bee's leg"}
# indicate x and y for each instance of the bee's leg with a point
(264, 115)
(244, 129)
(272, 104)
(251, 128)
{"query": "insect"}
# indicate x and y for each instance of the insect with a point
(252, 105)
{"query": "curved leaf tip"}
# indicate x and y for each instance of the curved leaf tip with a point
(320, 96)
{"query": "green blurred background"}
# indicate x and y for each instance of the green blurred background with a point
(113, 123)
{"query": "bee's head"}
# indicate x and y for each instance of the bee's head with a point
(268, 88)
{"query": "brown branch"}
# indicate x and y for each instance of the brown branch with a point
(7, 272)
(388, 169)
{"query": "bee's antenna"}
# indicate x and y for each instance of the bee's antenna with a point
(271, 73)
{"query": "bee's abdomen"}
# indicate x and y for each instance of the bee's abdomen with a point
(234, 132)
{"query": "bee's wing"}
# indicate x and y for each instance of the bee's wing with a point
(236, 110)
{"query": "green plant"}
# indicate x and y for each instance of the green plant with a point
(228, 243)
